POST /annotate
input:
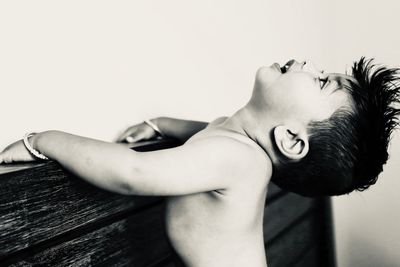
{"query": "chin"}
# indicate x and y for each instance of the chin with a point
(267, 75)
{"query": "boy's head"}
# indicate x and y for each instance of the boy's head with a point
(333, 129)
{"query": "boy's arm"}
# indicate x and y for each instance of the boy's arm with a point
(180, 129)
(170, 127)
(199, 166)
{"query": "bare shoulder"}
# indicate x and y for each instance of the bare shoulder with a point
(217, 121)
(247, 157)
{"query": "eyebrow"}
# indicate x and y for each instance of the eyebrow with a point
(340, 80)
(345, 77)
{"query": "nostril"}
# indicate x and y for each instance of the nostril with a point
(288, 65)
(291, 62)
(304, 64)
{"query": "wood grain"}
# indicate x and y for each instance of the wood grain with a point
(138, 240)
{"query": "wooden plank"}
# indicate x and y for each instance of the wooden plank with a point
(297, 240)
(43, 201)
(327, 251)
(19, 166)
(47, 202)
(310, 258)
(166, 262)
(138, 240)
(155, 144)
(274, 192)
(283, 211)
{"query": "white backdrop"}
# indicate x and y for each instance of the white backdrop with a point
(94, 67)
(367, 223)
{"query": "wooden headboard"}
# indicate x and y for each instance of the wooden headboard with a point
(48, 217)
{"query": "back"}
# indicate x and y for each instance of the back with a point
(223, 227)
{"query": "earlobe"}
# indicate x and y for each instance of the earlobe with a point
(291, 142)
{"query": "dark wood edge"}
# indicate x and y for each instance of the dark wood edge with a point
(329, 254)
(303, 254)
(162, 262)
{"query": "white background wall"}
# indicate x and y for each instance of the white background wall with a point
(367, 223)
(95, 67)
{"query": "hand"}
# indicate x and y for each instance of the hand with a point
(135, 133)
(16, 152)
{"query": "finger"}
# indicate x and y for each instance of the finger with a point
(129, 139)
(134, 138)
(3, 157)
(124, 135)
(120, 137)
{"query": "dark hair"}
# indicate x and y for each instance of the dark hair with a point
(347, 151)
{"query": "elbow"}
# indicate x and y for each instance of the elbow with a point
(130, 176)
(125, 188)
(126, 185)
(108, 167)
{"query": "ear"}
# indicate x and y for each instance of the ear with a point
(291, 141)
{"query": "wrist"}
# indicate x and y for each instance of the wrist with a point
(29, 141)
(37, 140)
(34, 141)
(159, 121)
(165, 124)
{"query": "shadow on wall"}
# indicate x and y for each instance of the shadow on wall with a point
(373, 254)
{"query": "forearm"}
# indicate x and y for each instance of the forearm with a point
(180, 129)
(107, 165)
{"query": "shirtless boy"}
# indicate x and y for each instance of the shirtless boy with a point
(310, 132)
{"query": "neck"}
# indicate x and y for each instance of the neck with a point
(255, 125)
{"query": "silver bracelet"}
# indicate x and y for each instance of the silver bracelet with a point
(33, 151)
(154, 127)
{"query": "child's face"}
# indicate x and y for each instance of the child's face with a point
(302, 92)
